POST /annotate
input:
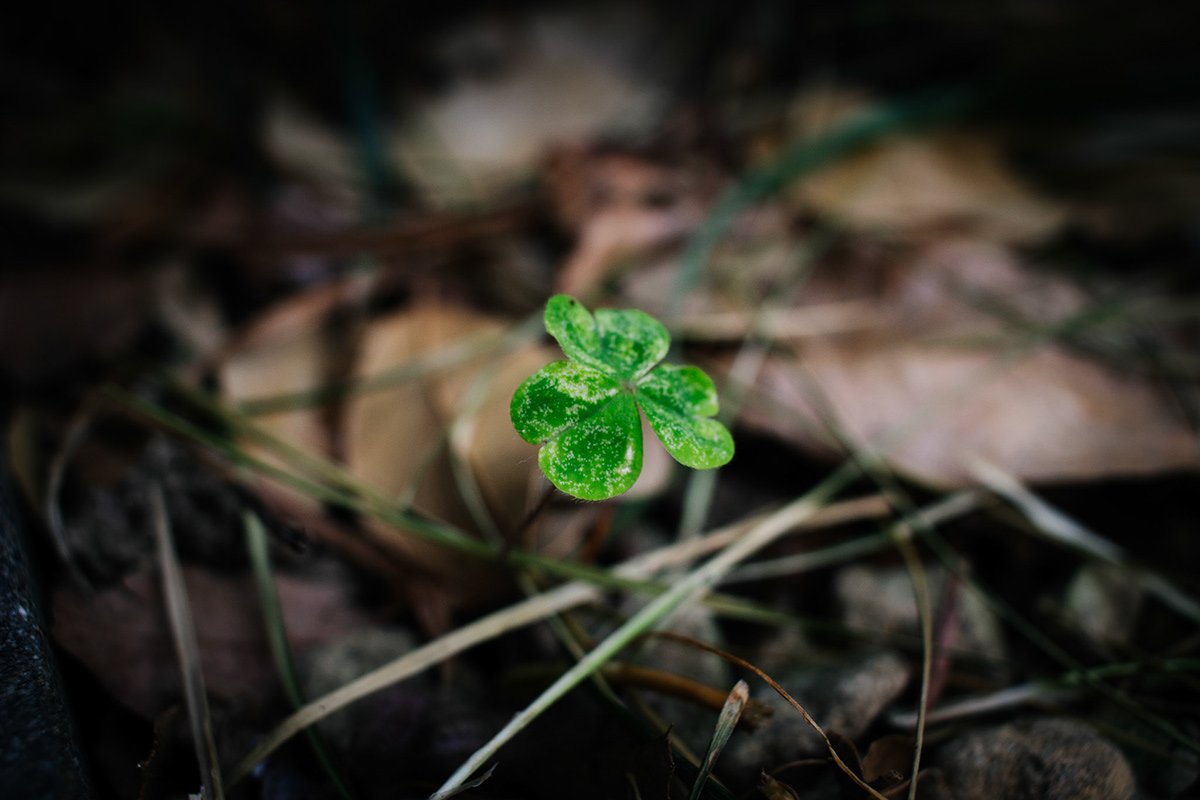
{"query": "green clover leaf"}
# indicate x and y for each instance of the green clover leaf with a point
(584, 411)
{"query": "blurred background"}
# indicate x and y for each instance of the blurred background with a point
(289, 259)
(213, 136)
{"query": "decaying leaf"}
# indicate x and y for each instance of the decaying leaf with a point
(559, 76)
(439, 439)
(621, 206)
(288, 351)
(918, 182)
(941, 378)
(400, 440)
(122, 635)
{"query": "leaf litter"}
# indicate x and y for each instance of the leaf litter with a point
(891, 307)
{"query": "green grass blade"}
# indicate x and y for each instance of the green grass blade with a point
(690, 587)
(806, 157)
(281, 654)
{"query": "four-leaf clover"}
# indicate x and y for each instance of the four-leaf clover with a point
(584, 411)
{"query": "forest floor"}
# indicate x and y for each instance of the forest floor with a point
(273, 280)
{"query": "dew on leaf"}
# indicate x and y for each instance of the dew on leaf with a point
(585, 411)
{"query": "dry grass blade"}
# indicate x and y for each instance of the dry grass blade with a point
(416, 661)
(326, 481)
(180, 616)
(1061, 528)
(836, 514)
(474, 783)
(524, 613)
(690, 587)
(1045, 518)
(1026, 695)
(739, 696)
(744, 664)
(947, 508)
(925, 613)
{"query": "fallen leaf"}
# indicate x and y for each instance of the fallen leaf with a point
(887, 755)
(560, 75)
(287, 351)
(919, 181)
(400, 440)
(621, 205)
(939, 380)
(121, 633)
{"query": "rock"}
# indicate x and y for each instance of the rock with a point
(846, 697)
(1102, 602)
(383, 723)
(1165, 766)
(418, 730)
(1042, 759)
(882, 599)
(688, 720)
(697, 622)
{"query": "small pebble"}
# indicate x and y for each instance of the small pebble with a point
(845, 698)
(882, 599)
(1041, 759)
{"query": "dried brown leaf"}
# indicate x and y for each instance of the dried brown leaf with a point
(287, 351)
(400, 441)
(887, 755)
(921, 181)
(622, 205)
(121, 634)
(939, 380)
(564, 75)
